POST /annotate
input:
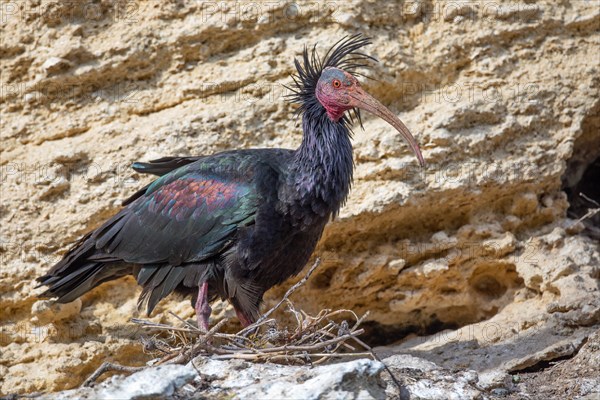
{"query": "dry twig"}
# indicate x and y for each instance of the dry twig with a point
(106, 367)
(590, 211)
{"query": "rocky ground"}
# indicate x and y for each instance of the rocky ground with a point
(416, 378)
(479, 276)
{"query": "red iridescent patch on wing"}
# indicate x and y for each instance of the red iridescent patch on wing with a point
(190, 197)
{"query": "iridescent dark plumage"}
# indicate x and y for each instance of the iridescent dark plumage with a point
(233, 224)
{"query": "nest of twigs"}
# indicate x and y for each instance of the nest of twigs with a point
(313, 339)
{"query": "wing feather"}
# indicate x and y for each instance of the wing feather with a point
(185, 216)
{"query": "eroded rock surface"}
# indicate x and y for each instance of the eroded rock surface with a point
(158, 382)
(414, 378)
(475, 249)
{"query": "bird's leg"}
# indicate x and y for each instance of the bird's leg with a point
(202, 307)
(243, 319)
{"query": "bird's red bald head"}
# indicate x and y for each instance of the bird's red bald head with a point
(334, 90)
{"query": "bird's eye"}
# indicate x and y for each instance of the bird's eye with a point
(336, 84)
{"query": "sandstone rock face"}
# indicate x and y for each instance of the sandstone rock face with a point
(476, 250)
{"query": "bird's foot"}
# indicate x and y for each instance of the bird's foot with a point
(203, 309)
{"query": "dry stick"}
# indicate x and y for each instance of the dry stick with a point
(185, 322)
(249, 328)
(589, 199)
(106, 367)
(283, 350)
(346, 345)
(149, 324)
(317, 336)
(376, 357)
(296, 315)
(195, 331)
(316, 346)
(590, 212)
(178, 355)
(351, 330)
(255, 325)
(333, 355)
(260, 355)
(203, 341)
(157, 325)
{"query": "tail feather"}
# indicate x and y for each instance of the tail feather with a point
(59, 281)
(81, 269)
(71, 285)
(157, 283)
(160, 280)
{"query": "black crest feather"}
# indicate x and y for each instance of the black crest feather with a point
(345, 54)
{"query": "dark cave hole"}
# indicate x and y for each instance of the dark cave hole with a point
(377, 334)
(584, 195)
(543, 365)
(581, 181)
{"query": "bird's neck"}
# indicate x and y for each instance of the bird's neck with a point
(323, 162)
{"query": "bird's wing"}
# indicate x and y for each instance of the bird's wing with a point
(187, 215)
(163, 165)
(158, 167)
